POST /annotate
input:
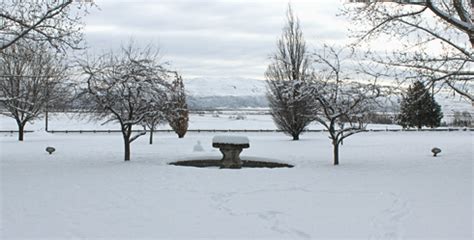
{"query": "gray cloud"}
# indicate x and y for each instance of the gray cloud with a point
(210, 38)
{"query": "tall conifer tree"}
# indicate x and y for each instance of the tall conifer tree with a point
(419, 108)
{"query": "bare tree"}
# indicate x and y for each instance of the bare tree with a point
(57, 23)
(288, 70)
(342, 106)
(175, 112)
(436, 38)
(126, 87)
(31, 78)
(152, 121)
(178, 113)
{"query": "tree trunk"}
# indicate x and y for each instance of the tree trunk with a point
(336, 152)
(46, 121)
(127, 149)
(151, 134)
(127, 133)
(296, 137)
(21, 131)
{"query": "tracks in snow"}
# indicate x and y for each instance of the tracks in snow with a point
(388, 224)
(272, 218)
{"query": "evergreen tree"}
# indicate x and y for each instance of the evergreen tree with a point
(178, 117)
(419, 108)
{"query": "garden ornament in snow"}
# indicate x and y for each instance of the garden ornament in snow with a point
(230, 147)
(50, 150)
(198, 147)
(435, 151)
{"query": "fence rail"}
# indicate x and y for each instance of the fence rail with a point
(15, 131)
(246, 130)
(266, 130)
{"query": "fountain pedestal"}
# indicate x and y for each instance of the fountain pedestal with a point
(230, 147)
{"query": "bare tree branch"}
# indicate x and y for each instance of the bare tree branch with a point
(128, 87)
(42, 21)
(437, 46)
(32, 77)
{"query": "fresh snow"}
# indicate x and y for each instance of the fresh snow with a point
(70, 121)
(230, 139)
(388, 186)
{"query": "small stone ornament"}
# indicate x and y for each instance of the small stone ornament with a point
(50, 150)
(198, 147)
(435, 151)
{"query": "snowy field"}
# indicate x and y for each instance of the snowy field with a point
(69, 121)
(388, 186)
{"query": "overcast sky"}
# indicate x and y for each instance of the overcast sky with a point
(212, 38)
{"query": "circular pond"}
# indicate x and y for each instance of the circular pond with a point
(202, 163)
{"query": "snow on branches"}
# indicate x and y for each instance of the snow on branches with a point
(340, 105)
(436, 39)
(32, 77)
(57, 23)
(127, 87)
(178, 113)
(285, 75)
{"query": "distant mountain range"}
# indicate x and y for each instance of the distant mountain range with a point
(206, 87)
(211, 93)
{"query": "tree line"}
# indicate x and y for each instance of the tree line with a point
(130, 87)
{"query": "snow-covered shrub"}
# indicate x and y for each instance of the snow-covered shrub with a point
(240, 117)
(178, 113)
(198, 147)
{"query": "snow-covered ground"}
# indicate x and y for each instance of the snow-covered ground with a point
(70, 121)
(388, 186)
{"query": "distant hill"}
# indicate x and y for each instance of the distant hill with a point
(210, 93)
(231, 102)
(205, 87)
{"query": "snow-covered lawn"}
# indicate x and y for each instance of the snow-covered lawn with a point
(70, 121)
(388, 186)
